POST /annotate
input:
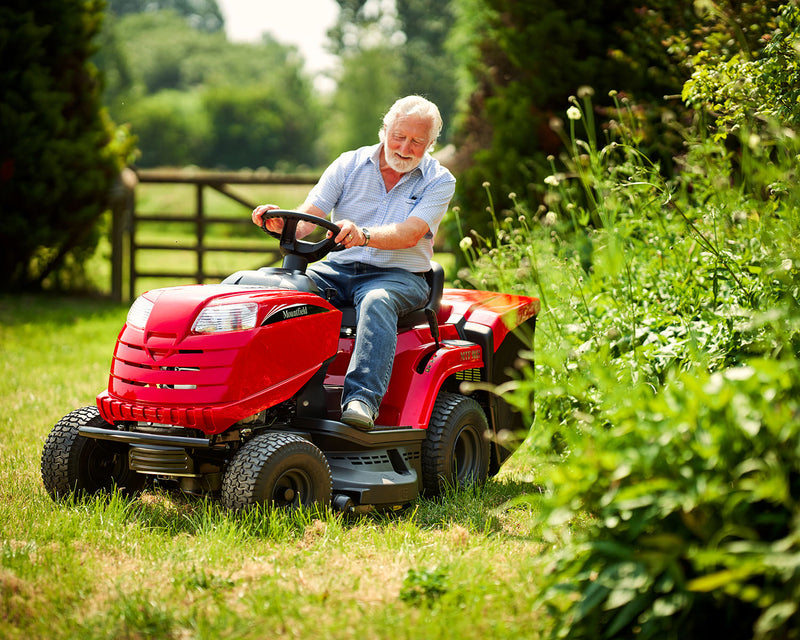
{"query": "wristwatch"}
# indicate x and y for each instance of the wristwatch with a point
(365, 231)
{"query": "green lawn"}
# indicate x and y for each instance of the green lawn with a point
(166, 566)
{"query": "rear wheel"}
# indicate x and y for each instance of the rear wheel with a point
(456, 449)
(73, 464)
(281, 469)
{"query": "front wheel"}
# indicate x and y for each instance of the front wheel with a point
(280, 469)
(73, 464)
(456, 450)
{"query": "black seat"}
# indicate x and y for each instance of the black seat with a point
(435, 279)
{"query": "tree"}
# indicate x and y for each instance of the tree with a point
(160, 48)
(366, 38)
(366, 87)
(203, 15)
(59, 153)
(388, 50)
(429, 67)
(260, 125)
(195, 98)
(523, 60)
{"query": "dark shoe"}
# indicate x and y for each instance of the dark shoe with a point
(358, 415)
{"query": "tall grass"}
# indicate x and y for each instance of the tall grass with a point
(667, 382)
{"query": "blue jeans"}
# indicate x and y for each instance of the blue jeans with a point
(380, 296)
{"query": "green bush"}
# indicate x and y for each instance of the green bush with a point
(522, 61)
(173, 128)
(258, 126)
(515, 55)
(667, 383)
(759, 83)
(692, 497)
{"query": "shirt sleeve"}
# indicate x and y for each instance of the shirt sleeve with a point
(328, 191)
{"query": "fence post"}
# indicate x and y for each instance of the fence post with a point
(201, 234)
(121, 202)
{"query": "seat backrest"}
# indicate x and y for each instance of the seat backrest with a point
(435, 279)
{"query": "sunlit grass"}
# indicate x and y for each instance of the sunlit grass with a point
(165, 565)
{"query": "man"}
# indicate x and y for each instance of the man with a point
(388, 200)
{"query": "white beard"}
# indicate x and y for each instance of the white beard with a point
(398, 164)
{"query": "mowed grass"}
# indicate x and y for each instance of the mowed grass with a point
(164, 565)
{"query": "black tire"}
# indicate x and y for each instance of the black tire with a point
(455, 452)
(280, 469)
(75, 465)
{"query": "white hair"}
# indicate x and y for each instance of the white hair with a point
(414, 106)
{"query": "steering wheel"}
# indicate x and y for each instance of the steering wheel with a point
(291, 245)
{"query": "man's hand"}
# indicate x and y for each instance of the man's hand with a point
(350, 235)
(273, 224)
(399, 235)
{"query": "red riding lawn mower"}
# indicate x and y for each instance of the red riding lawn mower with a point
(234, 390)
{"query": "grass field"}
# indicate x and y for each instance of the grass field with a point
(164, 565)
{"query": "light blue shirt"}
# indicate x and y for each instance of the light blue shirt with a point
(353, 188)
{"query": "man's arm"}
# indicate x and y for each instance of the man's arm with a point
(402, 235)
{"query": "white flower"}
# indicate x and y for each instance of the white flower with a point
(573, 113)
(466, 243)
(551, 180)
(549, 219)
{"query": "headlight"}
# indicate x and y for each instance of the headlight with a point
(226, 317)
(139, 312)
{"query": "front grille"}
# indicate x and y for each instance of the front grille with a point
(364, 459)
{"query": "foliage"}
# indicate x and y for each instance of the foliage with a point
(763, 83)
(429, 67)
(667, 384)
(366, 38)
(160, 49)
(172, 128)
(513, 92)
(179, 100)
(261, 126)
(203, 15)
(387, 52)
(515, 55)
(354, 122)
(59, 152)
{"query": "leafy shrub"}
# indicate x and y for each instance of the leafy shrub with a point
(522, 61)
(667, 383)
(740, 85)
(173, 128)
(693, 498)
(257, 126)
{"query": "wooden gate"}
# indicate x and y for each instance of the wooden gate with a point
(126, 217)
